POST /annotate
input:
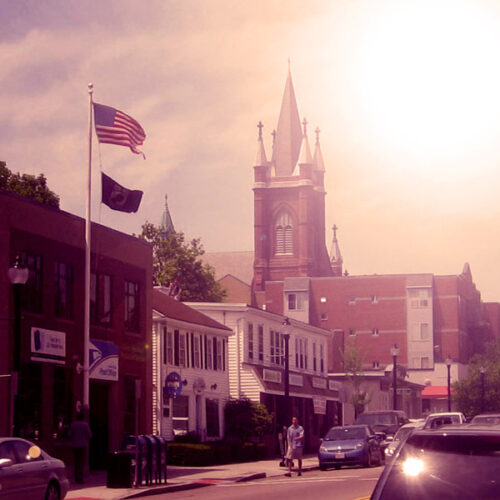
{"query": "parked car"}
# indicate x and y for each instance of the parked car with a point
(436, 420)
(456, 462)
(27, 472)
(486, 419)
(386, 421)
(402, 433)
(350, 445)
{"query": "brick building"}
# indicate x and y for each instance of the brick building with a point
(50, 243)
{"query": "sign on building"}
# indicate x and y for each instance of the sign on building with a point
(103, 360)
(48, 346)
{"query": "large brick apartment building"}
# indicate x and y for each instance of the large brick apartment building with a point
(50, 243)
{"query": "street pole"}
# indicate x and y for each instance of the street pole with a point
(18, 276)
(286, 337)
(394, 352)
(448, 366)
(482, 371)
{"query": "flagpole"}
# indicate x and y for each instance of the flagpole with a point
(86, 332)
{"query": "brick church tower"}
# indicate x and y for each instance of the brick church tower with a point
(289, 203)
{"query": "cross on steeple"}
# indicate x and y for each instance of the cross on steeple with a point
(317, 131)
(260, 126)
(304, 123)
(335, 231)
(273, 133)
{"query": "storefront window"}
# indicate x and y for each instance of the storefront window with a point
(180, 415)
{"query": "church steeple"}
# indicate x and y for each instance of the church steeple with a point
(319, 164)
(288, 136)
(166, 224)
(335, 256)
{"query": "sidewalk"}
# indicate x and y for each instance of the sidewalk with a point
(184, 478)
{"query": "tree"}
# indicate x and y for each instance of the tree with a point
(178, 263)
(353, 361)
(467, 393)
(246, 419)
(28, 186)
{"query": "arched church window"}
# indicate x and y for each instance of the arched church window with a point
(283, 234)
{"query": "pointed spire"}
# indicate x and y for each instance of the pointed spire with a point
(288, 133)
(261, 159)
(318, 157)
(305, 156)
(166, 225)
(335, 256)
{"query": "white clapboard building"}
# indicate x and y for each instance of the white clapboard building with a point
(190, 362)
(257, 366)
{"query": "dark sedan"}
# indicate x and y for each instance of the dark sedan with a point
(451, 462)
(29, 473)
(350, 445)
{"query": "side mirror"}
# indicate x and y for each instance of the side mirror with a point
(381, 435)
(5, 462)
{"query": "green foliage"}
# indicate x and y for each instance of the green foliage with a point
(213, 453)
(175, 261)
(353, 360)
(467, 392)
(28, 186)
(246, 420)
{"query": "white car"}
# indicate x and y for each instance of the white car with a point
(400, 436)
(436, 420)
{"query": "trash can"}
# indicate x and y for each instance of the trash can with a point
(119, 470)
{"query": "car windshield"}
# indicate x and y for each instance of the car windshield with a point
(343, 433)
(377, 419)
(446, 466)
(487, 419)
(402, 433)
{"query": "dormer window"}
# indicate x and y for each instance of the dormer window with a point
(283, 234)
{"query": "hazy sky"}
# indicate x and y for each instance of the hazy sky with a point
(406, 94)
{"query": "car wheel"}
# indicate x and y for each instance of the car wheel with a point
(337, 467)
(322, 467)
(53, 492)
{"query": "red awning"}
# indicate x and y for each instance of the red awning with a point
(435, 391)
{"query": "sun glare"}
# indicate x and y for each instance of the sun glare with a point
(427, 77)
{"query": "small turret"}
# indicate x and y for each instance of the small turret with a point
(335, 256)
(166, 224)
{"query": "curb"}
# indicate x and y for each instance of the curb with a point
(251, 477)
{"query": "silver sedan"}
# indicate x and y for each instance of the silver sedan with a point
(27, 472)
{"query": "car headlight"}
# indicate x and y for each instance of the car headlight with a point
(389, 451)
(413, 466)
(360, 445)
(323, 448)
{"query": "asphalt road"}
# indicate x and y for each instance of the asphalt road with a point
(343, 484)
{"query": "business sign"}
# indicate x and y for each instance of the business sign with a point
(173, 385)
(103, 360)
(297, 380)
(319, 383)
(271, 376)
(319, 404)
(48, 346)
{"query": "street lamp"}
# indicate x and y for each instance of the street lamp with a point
(18, 276)
(448, 366)
(286, 338)
(482, 371)
(394, 354)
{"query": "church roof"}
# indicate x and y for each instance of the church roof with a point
(288, 137)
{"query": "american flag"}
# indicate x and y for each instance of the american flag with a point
(112, 126)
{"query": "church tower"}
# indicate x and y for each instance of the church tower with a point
(289, 202)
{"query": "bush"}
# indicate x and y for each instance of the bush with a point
(212, 453)
(189, 454)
